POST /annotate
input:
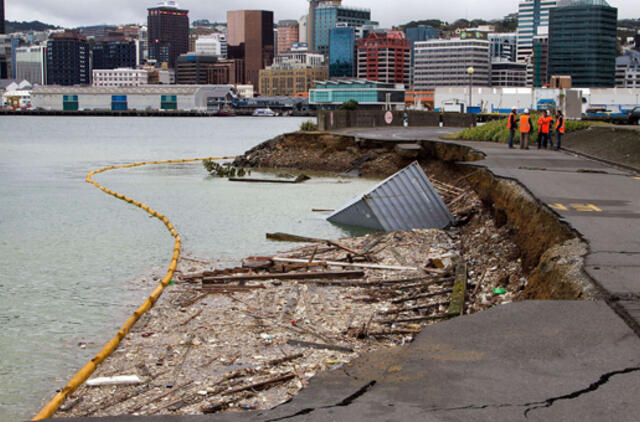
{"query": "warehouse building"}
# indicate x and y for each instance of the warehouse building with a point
(150, 97)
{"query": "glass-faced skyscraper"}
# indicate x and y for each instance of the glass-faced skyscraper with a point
(342, 52)
(329, 15)
(533, 19)
(582, 42)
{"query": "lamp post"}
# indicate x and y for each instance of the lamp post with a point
(470, 71)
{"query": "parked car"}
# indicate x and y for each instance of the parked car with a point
(634, 116)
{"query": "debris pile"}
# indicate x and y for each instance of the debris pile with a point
(252, 336)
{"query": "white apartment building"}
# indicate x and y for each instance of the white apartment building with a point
(533, 19)
(31, 64)
(120, 77)
(442, 62)
(212, 45)
(302, 57)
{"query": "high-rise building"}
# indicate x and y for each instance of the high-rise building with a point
(288, 34)
(419, 33)
(31, 64)
(212, 45)
(311, 17)
(342, 52)
(8, 46)
(250, 38)
(168, 32)
(628, 70)
(533, 19)
(328, 15)
(303, 29)
(503, 46)
(508, 74)
(1, 16)
(538, 67)
(193, 69)
(68, 56)
(114, 53)
(120, 77)
(582, 42)
(385, 57)
(445, 63)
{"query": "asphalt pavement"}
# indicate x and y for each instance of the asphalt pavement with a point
(533, 360)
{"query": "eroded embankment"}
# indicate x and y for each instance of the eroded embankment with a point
(551, 252)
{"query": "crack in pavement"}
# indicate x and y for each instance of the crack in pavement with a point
(550, 401)
(345, 402)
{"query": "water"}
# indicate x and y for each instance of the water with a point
(69, 252)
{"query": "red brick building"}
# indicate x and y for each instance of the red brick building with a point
(385, 57)
(288, 34)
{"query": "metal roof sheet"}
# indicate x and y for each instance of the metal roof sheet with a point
(135, 90)
(407, 200)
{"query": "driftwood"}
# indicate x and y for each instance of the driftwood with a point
(286, 237)
(320, 346)
(287, 276)
(414, 308)
(262, 385)
(348, 264)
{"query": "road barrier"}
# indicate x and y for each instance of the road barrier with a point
(81, 376)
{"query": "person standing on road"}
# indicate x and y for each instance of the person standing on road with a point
(525, 129)
(559, 129)
(512, 125)
(544, 128)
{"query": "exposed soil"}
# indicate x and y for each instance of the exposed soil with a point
(617, 145)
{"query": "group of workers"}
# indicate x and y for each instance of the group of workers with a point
(545, 122)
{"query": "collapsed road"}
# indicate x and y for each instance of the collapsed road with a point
(540, 360)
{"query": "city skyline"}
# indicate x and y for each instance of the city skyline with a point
(73, 13)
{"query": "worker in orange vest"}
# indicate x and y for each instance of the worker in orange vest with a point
(525, 129)
(559, 129)
(512, 125)
(544, 130)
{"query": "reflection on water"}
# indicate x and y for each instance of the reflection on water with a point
(70, 252)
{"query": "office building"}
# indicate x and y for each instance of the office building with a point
(329, 15)
(212, 45)
(332, 94)
(226, 71)
(31, 64)
(2, 31)
(68, 57)
(250, 38)
(288, 34)
(385, 57)
(506, 73)
(112, 53)
(503, 46)
(193, 69)
(303, 29)
(342, 52)
(538, 65)
(533, 19)
(582, 42)
(446, 62)
(313, 5)
(301, 57)
(168, 33)
(419, 33)
(628, 70)
(97, 31)
(120, 77)
(6, 53)
(290, 81)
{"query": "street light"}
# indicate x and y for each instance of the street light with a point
(470, 71)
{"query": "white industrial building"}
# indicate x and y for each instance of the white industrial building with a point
(149, 97)
(120, 77)
(501, 100)
(31, 64)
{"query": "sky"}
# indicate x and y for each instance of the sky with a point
(72, 13)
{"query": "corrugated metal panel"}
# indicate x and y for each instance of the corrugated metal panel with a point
(407, 200)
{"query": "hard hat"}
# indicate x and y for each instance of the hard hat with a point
(526, 111)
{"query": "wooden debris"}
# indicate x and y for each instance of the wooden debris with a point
(347, 264)
(320, 346)
(262, 385)
(456, 307)
(286, 237)
(286, 276)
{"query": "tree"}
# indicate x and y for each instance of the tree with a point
(349, 105)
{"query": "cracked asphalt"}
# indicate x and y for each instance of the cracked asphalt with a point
(526, 361)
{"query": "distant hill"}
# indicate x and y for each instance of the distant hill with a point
(11, 26)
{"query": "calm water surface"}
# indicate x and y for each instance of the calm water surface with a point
(69, 252)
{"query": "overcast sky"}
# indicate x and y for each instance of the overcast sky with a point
(70, 13)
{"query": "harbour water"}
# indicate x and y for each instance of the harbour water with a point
(70, 253)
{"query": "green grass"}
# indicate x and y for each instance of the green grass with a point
(496, 131)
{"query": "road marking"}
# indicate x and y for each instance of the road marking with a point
(577, 207)
(637, 178)
(558, 206)
(585, 207)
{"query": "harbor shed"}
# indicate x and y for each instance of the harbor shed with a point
(146, 97)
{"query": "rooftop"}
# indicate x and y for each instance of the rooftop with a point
(132, 90)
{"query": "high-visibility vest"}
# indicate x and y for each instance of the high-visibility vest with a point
(560, 125)
(544, 124)
(511, 121)
(525, 124)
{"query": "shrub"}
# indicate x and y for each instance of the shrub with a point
(349, 105)
(496, 130)
(308, 126)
